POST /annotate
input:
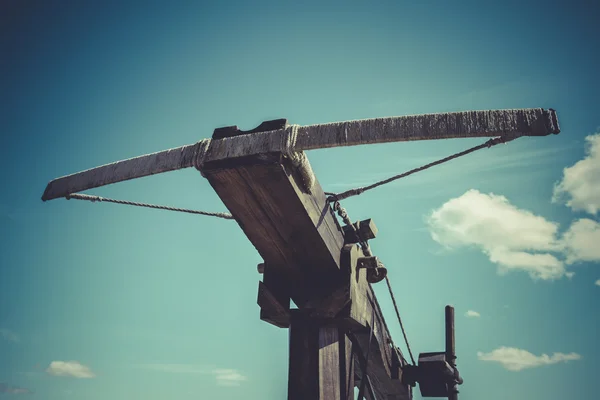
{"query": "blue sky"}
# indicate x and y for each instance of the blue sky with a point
(102, 301)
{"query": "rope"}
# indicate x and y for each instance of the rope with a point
(341, 211)
(93, 199)
(335, 198)
(298, 158)
(359, 190)
(200, 150)
(387, 280)
(289, 141)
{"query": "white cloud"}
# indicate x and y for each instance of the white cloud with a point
(580, 183)
(223, 376)
(514, 359)
(539, 266)
(228, 377)
(513, 238)
(71, 369)
(581, 241)
(598, 282)
(569, 274)
(9, 335)
(472, 314)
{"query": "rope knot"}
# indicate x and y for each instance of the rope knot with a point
(298, 158)
(200, 150)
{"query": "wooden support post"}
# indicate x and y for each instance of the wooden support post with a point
(451, 349)
(320, 363)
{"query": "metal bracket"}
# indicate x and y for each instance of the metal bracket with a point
(376, 272)
(436, 373)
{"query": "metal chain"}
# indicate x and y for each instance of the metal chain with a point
(93, 199)
(341, 211)
(359, 190)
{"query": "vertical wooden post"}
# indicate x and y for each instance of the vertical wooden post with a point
(320, 362)
(450, 349)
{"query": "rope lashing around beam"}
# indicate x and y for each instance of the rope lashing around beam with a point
(288, 144)
(356, 191)
(298, 158)
(200, 150)
(93, 199)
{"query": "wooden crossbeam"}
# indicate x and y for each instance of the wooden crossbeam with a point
(295, 232)
(470, 124)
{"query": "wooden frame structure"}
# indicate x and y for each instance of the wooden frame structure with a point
(338, 331)
(307, 260)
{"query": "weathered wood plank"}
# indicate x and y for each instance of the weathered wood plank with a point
(271, 309)
(366, 229)
(524, 122)
(334, 368)
(320, 360)
(273, 297)
(383, 368)
(303, 372)
(288, 227)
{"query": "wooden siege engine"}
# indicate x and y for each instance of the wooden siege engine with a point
(338, 337)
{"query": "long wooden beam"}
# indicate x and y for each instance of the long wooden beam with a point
(470, 124)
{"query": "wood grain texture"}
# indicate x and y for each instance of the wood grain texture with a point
(470, 124)
(382, 368)
(321, 365)
(273, 297)
(294, 232)
(366, 230)
(330, 345)
(298, 236)
(303, 372)
(271, 309)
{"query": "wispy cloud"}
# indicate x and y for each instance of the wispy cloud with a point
(580, 184)
(472, 314)
(514, 359)
(71, 369)
(598, 282)
(9, 335)
(223, 376)
(228, 377)
(581, 241)
(7, 389)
